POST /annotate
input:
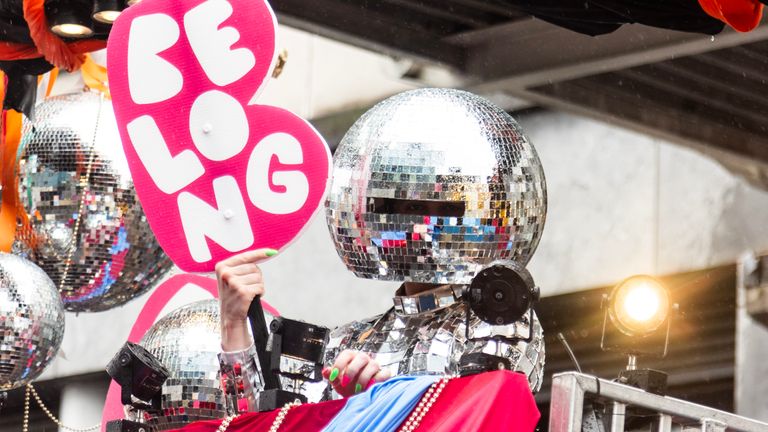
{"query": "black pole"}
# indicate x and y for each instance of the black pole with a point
(260, 337)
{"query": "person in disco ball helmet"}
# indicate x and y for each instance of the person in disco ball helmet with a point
(430, 187)
(187, 342)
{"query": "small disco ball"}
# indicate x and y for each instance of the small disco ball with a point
(432, 185)
(86, 228)
(187, 342)
(31, 321)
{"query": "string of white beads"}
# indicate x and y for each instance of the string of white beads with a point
(25, 426)
(425, 404)
(225, 423)
(281, 415)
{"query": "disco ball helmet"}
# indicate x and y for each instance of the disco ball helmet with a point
(432, 185)
(187, 342)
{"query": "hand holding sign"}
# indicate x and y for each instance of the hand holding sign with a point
(215, 173)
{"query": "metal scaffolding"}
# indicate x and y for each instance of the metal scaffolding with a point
(569, 391)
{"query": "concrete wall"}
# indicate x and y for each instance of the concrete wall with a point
(622, 203)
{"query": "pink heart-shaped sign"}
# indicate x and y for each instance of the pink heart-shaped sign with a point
(216, 173)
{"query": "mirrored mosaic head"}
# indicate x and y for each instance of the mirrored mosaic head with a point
(187, 341)
(431, 185)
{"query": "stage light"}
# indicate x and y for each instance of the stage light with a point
(140, 376)
(639, 311)
(107, 11)
(639, 305)
(501, 294)
(106, 17)
(71, 30)
(69, 19)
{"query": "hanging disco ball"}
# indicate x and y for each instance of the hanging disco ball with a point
(187, 342)
(86, 229)
(31, 321)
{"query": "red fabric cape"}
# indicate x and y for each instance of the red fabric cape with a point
(489, 402)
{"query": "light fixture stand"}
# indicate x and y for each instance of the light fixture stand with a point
(650, 380)
(631, 362)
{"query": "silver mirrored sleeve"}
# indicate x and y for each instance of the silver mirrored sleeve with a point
(240, 379)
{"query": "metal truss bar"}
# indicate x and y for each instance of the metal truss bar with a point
(569, 389)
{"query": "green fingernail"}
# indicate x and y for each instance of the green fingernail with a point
(334, 374)
(270, 252)
(358, 388)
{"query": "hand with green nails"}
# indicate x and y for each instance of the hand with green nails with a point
(239, 282)
(353, 372)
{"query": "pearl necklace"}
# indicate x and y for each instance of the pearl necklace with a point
(281, 415)
(426, 402)
(225, 423)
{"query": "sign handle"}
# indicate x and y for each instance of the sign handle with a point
(260, 338)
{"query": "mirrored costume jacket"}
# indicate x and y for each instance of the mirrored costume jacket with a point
(421, 334)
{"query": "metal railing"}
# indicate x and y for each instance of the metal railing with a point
(568, 395)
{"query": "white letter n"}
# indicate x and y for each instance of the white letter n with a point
(228, 225)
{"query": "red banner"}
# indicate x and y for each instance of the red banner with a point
(488, 402)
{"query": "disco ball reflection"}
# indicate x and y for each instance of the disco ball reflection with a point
(87, 229)
(31, 321)
(431, 185)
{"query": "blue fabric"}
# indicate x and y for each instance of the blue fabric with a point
(382, 408)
